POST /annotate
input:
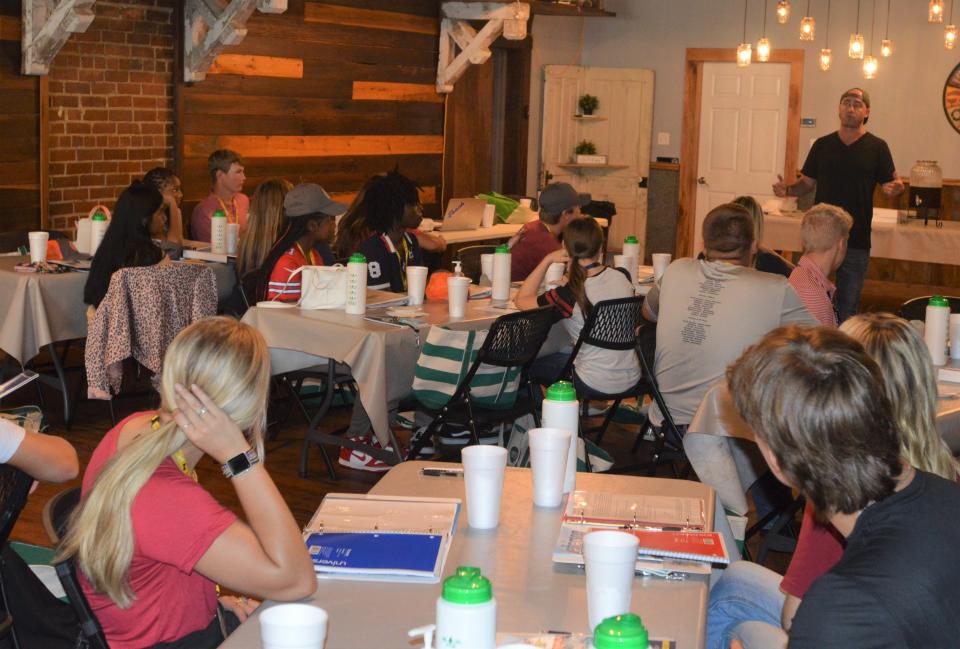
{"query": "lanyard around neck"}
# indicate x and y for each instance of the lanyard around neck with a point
(226, 212)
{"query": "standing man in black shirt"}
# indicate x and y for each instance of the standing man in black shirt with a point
(816, 402)
(845, 166)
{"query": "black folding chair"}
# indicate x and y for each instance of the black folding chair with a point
(612, 325)
(91, 633)
(14, 489)
(469, 258)
(513, 341)
(668, 439)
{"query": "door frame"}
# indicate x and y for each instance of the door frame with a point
(690, 133)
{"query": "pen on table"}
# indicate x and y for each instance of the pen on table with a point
(437, 471)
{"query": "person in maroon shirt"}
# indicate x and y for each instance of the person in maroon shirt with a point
(559, 204)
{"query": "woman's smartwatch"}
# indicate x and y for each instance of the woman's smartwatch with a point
(241, 463)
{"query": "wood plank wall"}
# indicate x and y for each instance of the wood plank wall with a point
(329, 92)
(21, 207)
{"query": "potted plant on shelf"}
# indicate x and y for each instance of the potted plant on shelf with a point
(586, 154)
(588, 104)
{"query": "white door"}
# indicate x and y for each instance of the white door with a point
(620, 129)
(743, 133)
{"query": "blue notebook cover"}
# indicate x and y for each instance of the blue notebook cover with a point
(377, 552)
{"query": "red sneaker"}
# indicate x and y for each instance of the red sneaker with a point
(361, 461)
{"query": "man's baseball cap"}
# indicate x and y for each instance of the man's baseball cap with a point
(309, 199)
(857, 93)
(560, 197)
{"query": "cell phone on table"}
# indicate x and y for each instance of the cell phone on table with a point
(439, 471)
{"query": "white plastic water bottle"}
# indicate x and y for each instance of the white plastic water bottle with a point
(218, 233)
(936, 327)
(98, 228)
(466, 612)
(83, 235)
(357, 284)
(501, 276)
(562, 410)
(631, 247)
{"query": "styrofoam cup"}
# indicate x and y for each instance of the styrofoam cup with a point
(458, 290)
(486, 265)
(293, 626)
(483, 469)
(628, 263)
(233, 236)
(660, 262)
(38, 246)
(549, 448)
(489, 216)
(554, 272)
(416, 284)
(610, 558)
(954, 329)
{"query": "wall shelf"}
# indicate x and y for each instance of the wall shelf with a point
(590, 118)
(574, 165)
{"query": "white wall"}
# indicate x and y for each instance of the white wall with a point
(906, 95)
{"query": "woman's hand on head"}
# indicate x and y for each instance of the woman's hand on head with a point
(208, 427)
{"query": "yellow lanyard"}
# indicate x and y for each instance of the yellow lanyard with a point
(226, 212)
(401, 259)
(311, 258)
(178, 455)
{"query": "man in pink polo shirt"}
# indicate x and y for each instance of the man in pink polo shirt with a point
(226, 194)
(824, 233)
(559, 204)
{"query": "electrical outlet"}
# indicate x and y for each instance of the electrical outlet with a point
(663, 139)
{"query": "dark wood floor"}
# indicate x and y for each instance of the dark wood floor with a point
(92, 420)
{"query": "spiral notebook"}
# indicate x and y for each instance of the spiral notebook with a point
(381, 538)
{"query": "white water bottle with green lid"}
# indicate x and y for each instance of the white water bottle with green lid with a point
(621, 632)
(562, 410)
(631, 247)
(936, 326)
(218, 233)
(98, 228)
(466, 612)
(501, 275)
(356, 284)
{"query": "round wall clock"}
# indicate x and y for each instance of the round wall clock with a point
(951, 99)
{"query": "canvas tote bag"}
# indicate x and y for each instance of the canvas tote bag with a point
(322, 287)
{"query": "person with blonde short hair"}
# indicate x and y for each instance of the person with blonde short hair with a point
(149, 542)
(824, 233)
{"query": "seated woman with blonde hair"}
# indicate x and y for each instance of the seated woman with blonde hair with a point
(150, 543)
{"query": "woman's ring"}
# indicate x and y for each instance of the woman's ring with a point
(202, 411)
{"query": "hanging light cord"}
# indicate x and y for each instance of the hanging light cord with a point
(873, 21)
(826, 41)
(765, 18)
(886, 31)
(745, 2)
(950, 20)
(858, 16)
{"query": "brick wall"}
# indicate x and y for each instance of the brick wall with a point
(111, 106)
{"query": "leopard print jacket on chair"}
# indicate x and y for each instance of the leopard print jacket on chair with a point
(144, 309)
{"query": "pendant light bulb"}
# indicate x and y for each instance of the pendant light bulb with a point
(826, 59)
(744, 52)
(886, 48)
(935, 11)
(949, 36)
(855, 51)
(808, 28)
(870, 67)
(783, 11)
(763, 50)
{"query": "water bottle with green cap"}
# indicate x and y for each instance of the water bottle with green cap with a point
(356, 284)
(501, 275)
(937, 323)
(466, 612)
(218, 232)
(98, 228)
(562, 410)
(631, 247)
(621, 632)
